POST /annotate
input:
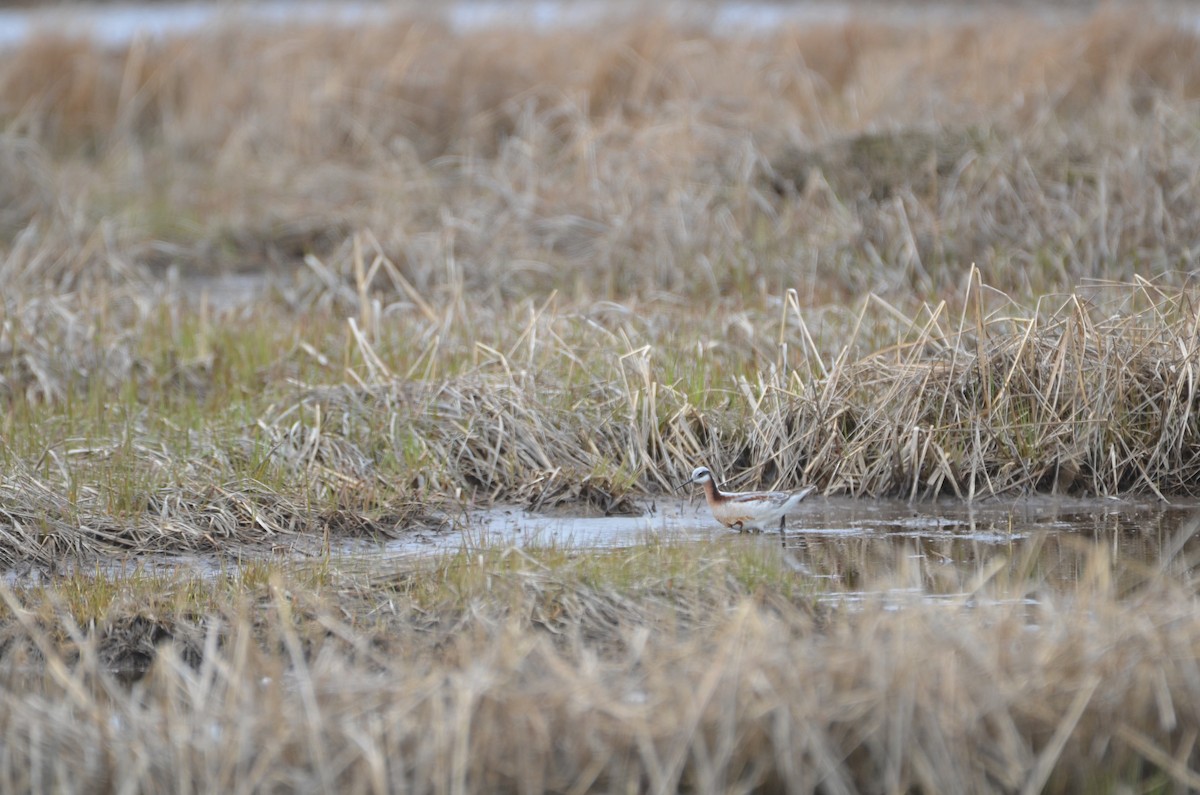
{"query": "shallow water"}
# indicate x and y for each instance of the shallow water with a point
(948, 548)
(846, 547)
(1028, 543)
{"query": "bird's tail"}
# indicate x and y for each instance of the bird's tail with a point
(799, 496)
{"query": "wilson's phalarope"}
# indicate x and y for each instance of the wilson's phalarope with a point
(750, 510)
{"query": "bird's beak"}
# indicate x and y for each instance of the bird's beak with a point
(684, 485)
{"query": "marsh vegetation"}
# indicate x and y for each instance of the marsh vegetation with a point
(557, 269)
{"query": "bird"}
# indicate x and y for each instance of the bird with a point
(749, 510)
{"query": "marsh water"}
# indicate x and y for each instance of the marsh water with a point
(942, 548)
(841, 545)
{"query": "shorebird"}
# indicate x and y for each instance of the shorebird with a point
(749, 510)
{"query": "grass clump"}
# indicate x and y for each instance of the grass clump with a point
(1088, 393)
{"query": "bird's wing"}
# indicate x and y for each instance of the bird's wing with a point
(761, 497)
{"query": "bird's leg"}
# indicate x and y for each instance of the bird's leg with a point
(736, 526)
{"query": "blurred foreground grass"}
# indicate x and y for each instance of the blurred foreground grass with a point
(711, 666)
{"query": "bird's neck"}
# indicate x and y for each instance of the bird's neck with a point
(712, 493)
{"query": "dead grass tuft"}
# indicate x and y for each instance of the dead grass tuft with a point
(1089, 393)
(1085, 394)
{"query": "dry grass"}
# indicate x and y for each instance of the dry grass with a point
(562, 269)
(358, 426)
(575, 272)
(639, 160)
(512, 676)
